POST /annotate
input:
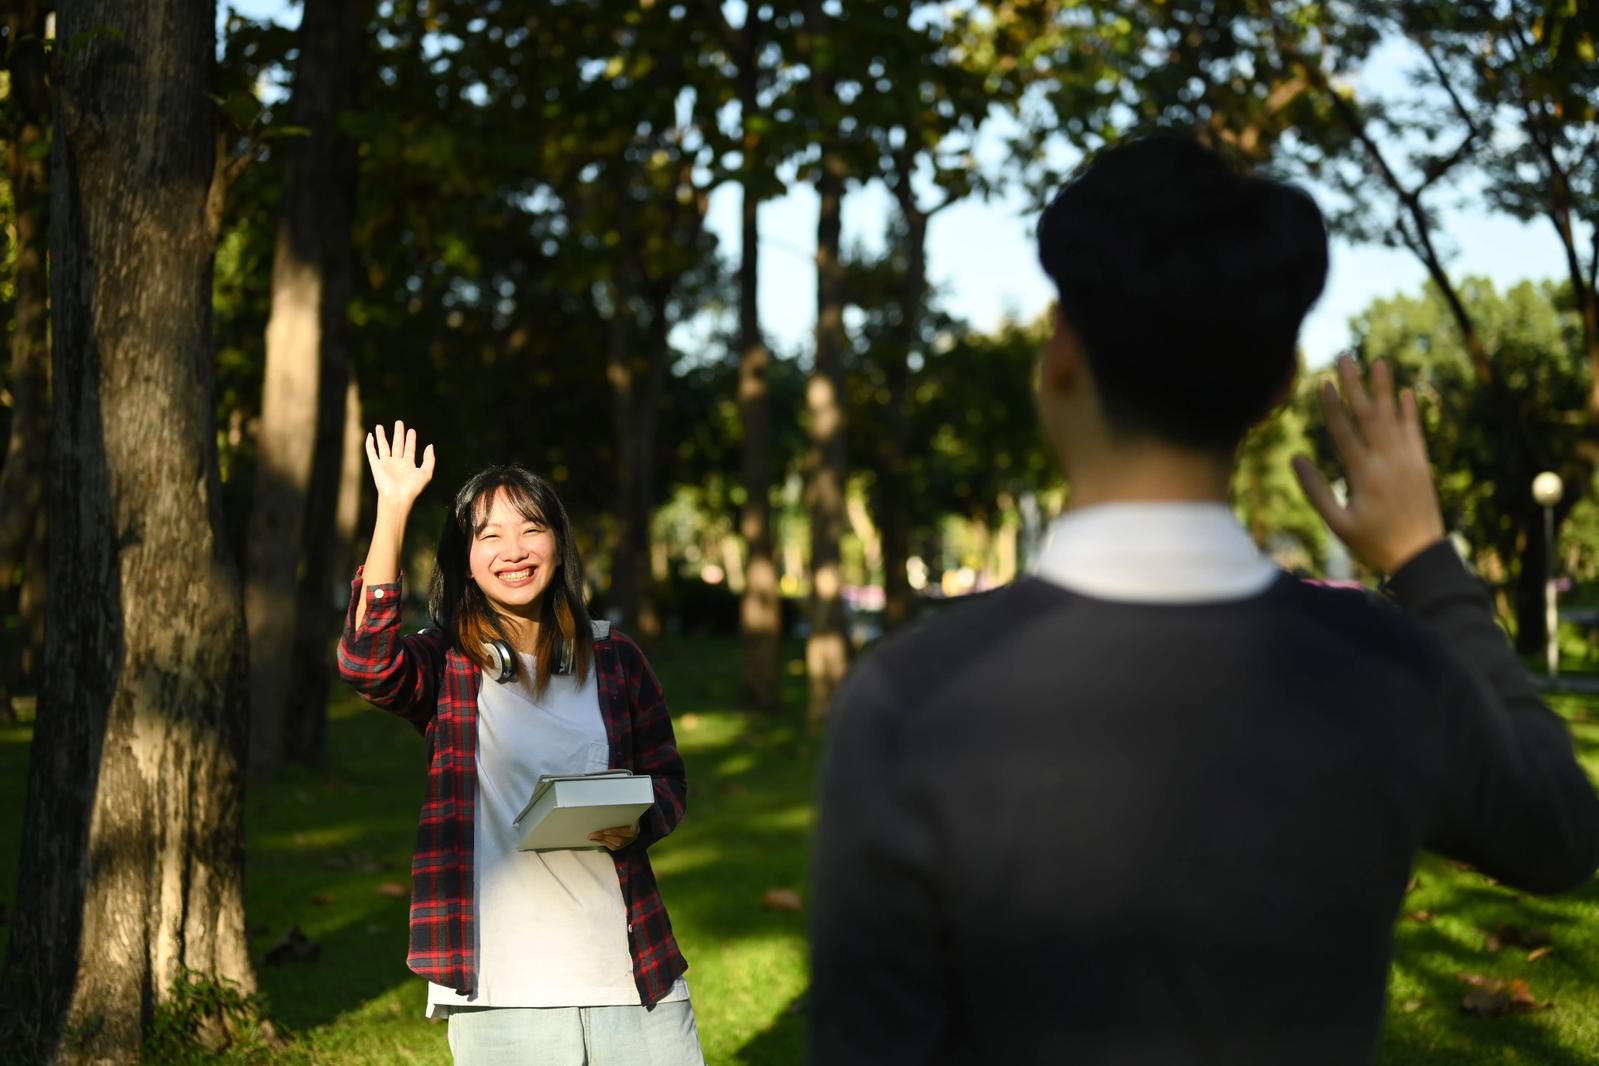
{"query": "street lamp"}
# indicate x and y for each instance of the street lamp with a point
(1546, 492)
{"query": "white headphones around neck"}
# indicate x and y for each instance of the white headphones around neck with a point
(503, 659)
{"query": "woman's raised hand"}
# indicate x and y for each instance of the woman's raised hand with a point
(400, 479)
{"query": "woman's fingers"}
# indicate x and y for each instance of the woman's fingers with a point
(427, 462)
(372, 452)
(383, 444)
(410, 444)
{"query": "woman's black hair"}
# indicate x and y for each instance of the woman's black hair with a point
(461, 609)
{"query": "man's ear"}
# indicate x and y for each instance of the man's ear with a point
(1061, 371)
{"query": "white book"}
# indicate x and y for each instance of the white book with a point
(565, 808)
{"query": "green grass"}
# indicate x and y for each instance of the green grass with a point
(326, 849)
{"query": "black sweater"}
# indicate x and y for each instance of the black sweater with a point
(1061, 829)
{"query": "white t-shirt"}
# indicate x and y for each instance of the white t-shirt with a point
(551, 925)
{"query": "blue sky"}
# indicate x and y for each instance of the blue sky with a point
(981, 257)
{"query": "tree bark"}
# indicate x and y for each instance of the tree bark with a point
(641, 442)
(626, 563)
(22, 478)
(826, 649)
(760, 614)
(303, 394)
(132, 851)
(894, 488)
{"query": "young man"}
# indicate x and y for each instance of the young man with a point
(1159, 802)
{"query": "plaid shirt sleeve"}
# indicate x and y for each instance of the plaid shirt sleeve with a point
(654, 744)
(399, 673)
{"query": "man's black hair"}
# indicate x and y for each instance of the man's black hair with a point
(1186, 283)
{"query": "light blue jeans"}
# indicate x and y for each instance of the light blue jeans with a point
(575, 1036)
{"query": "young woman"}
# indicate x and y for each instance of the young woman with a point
(552, 956)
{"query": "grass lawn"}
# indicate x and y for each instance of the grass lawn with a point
(329, 852)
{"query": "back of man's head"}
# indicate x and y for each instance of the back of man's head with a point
(1185, 283)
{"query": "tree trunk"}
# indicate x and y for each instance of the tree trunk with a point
(303, 394)
(826, 650)
(894, 488)
(646, 417)
(626, 564)
(760, 615)
(331, 514)
(132, 849)
(27, 454)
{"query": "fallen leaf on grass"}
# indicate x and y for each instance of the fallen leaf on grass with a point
(1513, 936)
(359, 862)
(392, 889)
(1415, 883)
(1410, 1006)
(782, 899)
(689, 722)
(293, 946)
(1494, 997)
(1420, 916)
(1540, 953)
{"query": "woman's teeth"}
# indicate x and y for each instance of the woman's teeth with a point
(516, 575)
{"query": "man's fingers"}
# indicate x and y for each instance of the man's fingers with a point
(1382, 393)
(1346, 441)
(1320, 494)
(1354, 390)
(1410, 422)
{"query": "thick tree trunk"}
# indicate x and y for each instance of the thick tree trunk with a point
(132, 852)
(826, 649)
(894, 489)
(760, 615)
(626, 564)
(22, 478)
(303, 394)
(641, 442)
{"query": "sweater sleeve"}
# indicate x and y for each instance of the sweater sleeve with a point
(879, 964)
(399, 673)
(654, 745)
(1513, 800)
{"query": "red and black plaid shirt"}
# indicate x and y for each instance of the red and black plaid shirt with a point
(432, 685)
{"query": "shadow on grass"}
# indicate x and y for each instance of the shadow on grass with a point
(1426, 1020)
(783, 1042)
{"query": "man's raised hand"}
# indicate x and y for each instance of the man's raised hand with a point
(1392, 513)
(400, 479)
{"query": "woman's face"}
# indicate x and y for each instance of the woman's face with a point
(513, 558)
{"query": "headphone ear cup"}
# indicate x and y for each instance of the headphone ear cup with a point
(503, 659)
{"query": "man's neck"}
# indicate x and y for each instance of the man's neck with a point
(1148, 473)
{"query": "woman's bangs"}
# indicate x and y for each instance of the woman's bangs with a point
(522, 496)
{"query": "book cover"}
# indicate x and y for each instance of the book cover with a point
(565, 808)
